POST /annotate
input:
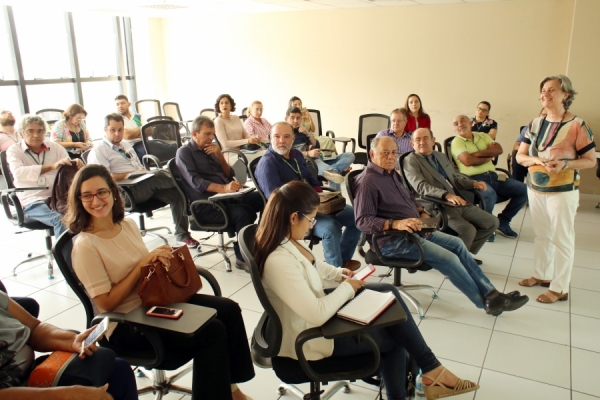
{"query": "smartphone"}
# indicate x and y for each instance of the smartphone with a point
(364, 272)
(96, 334)
(164, 312)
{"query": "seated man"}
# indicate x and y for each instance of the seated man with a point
(396, 131)
(473, 153)
(94, 374)
(120, 159)
(34, 162)
(205, 172)
(430, 174)
(8, 134)
(308, 145)
(282, 164)
(384, 203)
(132, 133)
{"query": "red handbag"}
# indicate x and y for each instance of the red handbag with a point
(177, 283)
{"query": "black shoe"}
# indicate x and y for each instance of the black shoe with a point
(239, 264)
(514, 293)
(504, 302)
(477, 261)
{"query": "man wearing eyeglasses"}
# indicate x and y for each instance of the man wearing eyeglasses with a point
(396, 131)
(383, 203)
(120, 159)
(8, 134)
(34, 162)
(430, 173)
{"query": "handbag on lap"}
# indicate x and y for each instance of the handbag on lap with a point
(331, 202)
(177, 283)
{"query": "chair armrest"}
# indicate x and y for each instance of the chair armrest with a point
(217, 205)
(239, 154)
(503, 171)
(7, 199)
(313, 333)
(330, 134)
(210, 278)
(112, 317)
(128, 197)
(14, 190)
(149, 159)
(395, 263)
(341, 139)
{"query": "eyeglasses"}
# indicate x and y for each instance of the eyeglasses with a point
(386, 154)
(100, 194)
(483, 109)
(80, 119)
(422, 140)
(39, 132)
(313, 221)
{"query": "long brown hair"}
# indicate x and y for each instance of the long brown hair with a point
(274, 227)
(422, 112)
(77, 219)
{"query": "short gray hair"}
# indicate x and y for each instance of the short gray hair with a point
(281, 123)
(376, 141)
(31, 119)
(565, 85)
(201, 121)
(412, 134)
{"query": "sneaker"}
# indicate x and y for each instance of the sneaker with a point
(505, 231)
(190, 242)
(492, 238)
(333, 176)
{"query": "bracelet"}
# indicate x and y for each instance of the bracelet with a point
(566, 164)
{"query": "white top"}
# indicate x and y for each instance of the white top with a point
(117, 158)
(26, 168)
(295, 289)
(129, 123)
(102, 263)
(7, 139)
(230, 132)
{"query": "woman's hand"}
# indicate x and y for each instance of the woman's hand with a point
(162, 253)
(355, 283)
(348, 273)
(253, 140)
(554, 166)
(78, 342)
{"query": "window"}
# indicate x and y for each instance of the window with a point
(96, 44)
(99, 101)
(7, 70)
(58, 95)
(10, 100)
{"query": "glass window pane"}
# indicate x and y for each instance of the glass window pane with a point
(7, 70)
(99, 101)
(57, 95)
(96, 44)
(43, 43)
(10, 100)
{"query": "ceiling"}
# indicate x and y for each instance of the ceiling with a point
(172, 8)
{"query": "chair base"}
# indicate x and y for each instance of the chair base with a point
(315, 388)
(221, 248)
(48, 255)
(405, 288)
(151, 233)
(163, 384)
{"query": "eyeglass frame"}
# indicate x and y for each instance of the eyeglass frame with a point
(313, 221)
(108, 193)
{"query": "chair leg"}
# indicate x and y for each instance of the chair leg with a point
(145, 231)
(48, 255)
(221, 248)
(285, 388)
(162, 384)
(334, 388)
(405, 288)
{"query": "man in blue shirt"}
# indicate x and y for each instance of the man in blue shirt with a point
(282, 164)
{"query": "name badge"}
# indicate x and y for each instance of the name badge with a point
(41, 181)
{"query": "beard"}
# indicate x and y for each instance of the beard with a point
(282, 151)
(7, 122)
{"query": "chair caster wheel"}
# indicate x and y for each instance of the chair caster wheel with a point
(282, 391)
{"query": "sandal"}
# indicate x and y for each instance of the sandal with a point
(552, 297)
(438, 390)
(529, 282)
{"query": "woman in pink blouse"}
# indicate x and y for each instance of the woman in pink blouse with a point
(416, 118)
(228, 128)
(255, 125)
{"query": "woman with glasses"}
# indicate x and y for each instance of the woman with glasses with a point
(482, 122)
(417, 117)
(108, 254)
(293, 280)
(71, 132)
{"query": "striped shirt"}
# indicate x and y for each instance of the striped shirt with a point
(260, 128)
(403, 141)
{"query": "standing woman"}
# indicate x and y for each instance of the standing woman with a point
(556, 146)
(307, 121)
(416, 118)
(255, 125)
(71, 132)
(228, 128)
(482, 123)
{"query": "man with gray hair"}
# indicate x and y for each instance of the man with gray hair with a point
(34, 162)
(205, 172)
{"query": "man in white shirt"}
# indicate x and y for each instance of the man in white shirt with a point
(34, 162)
(121, 160)
(132, 133)
(8, 134)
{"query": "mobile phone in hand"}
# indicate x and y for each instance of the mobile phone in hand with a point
(96, 334)
(164, 312)
(365, 272)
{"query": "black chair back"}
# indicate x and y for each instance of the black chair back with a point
(368, 142)
(6, 173)
(437, 146)
(161, 139)
(50, 115)
(251, 170)
(448, 151)
(369, 124)
(160, 118)
(85, 155)
(148, 108)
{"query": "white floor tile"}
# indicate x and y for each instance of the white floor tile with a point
(584, 333)
(455, 306)
(536, 323)
(529, 358)
(524, 250)
(581, 396)
(52, 304)
(500, 386)
(587, 258)
(499, 282)
(585, 278)
(494, 263)
(585, 302)
(585, 371)
(247, 299)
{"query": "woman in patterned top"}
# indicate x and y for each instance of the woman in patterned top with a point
(556, 146)
(71, 132)
(482, 123)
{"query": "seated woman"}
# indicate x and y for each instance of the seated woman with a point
(228, 128)
(307, 121)
(416, 118)
(255, 125)
(21, 335)
(71, 132)
(107, 256)
(293, 278)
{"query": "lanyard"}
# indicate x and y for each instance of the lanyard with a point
(37, 161)
(122, 153)
(296, 171)
(9, 136)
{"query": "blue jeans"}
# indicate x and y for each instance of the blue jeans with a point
(393, 341)
(448, 255)
(510, 189)
(341, 162)
(338, 246)
(40, 211)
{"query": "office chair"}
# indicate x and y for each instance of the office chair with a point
(50, 115)
(369, 124)
(161, 140)
(160, 118)
(316, 117)
(374, 256)
(14, 213)
(171, 109)
(148, 108)
(154, 359)
(266, 343)
(208, 112)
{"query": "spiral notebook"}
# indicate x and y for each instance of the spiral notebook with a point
(367, 306)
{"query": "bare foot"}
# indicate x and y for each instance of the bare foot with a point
(238, 395)
(448, 379)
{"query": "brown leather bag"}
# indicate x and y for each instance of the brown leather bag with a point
(331, 202)
(160, 285)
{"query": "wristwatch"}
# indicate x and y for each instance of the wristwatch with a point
(391, 222)
(425, 211)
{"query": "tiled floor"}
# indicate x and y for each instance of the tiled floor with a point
(539, 352)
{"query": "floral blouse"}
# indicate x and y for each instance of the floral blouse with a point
(61, 133)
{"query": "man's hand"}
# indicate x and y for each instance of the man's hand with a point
(77, 343)
(64, 161)
(253, 140)
(454, 199)
(233, 186)
(480, 185)
(213, 149)
(410, 225)
(78, 163)
(314, 153)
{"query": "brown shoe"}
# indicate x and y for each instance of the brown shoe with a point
(352, 265)
(529, 282)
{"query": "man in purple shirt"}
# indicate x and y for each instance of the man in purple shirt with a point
(396, 132)
(205, 172)
(382, 203)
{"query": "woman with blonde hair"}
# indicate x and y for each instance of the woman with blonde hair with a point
(307, 121)
(255, 125)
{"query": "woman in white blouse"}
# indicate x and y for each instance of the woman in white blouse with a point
(228, 128)
(293, 280)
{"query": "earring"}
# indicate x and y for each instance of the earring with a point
(115, 199)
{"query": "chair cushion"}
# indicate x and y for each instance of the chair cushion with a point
(35, 225)
(290, 371)
(371, 258)
(147, 206)
(360, 158)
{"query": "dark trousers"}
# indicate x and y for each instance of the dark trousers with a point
(393, 342)
(139, 149)
(220, 350)
(29, 304)
(519, 172)
(241, 212)
(510, 189)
